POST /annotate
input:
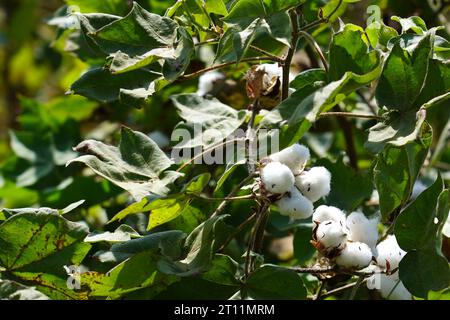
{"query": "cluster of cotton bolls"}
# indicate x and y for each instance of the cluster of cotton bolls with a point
(285, 175)
(349, 241)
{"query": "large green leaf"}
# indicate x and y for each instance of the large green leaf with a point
(224, 270)
(396, 171)
(35, 246)
(419, 231)
(106, 6)
(131, 88)
(404, 74)
(136, 165)
(349, 51)
(209, 120)
(274, 282)
(133, 274)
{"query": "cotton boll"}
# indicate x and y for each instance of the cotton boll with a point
(295, 205)
(323, 213)
(277, 177)
(295, 157)
(355, 255)
(206, 81)
(315, 183)
(390, 287)
(331, 235)
(389, 250)
(271, 69)
(363, 229)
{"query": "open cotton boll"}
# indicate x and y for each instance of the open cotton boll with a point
(363, 229)
(389, 250)
(271, 69)
(323, 213)
(355, 255)
(277, 177)
(206, 81)
(295, 205)
(295, 157)
(390, 287)
(331, 235)
(315, 183)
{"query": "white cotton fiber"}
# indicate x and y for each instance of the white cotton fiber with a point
(390, 287)
(356, 255)
(295, 157)
(277, 177)
(363, 229)
(206, 81)
(331, 235)
(389, 250)
(315, 183)
(294, 205)
(272, 70)
(323, 213)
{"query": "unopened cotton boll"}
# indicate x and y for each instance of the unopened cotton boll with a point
(315, 183)
(323, 213)
(295, 205)
(295, 157)
(356, 255)
(277, 177)
(362, 229)
(389, 250)
(331, 235)
(206, 81)
(390, 287)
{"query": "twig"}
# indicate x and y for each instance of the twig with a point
(347, 129)
(320, 289)
(236, 231)
(223, 65)
(274, 57)
(287, 62)
(323, 20)
(367, 102)
(210, 41)
(314, 270)
(356, 287)
(350, 115)
(223, 204)
(316, 47)
(343, 288)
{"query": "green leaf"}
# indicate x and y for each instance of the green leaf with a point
(307, 78)
(418, 230)
(35, 246)
(224, 270)
(343, 193)
(418, 224)
(396, 171)
(131, 88)
(413, 23)
(167, 243)
(166, 209)
(349, 51)
(175, 66)
(136, 165)
(404, 74)
(201, 245)
(379, 34)
(197, 184)
(133, 274)
(122, 234)
(209, 120)
(398, 129)
(303, 249)
(11, 290)
(106, 6)
(274, 282)
(436, 84)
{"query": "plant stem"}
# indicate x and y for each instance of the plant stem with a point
(316, 47)
(210, 41)
(223, 65)
(287, 62)
(320, 289)
(356, 287)
(350, 115)
(236, 232)
(268, 54)
(343, 288)
(314, 270)
(249, 135)
(223, 204)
